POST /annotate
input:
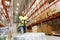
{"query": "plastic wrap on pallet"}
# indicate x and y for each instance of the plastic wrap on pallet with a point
(4, 31)
(30, 36)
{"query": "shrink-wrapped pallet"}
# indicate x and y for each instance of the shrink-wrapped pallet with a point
(30, 36)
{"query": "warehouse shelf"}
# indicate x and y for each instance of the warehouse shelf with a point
(47, 19)
(47, 12)
(45, 9)
(33, 7)
(7, 10)
(38, 9)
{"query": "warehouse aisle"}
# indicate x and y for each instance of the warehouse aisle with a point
(32, 18)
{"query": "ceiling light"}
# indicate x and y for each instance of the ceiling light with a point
(16, 12)
(17, 4)
(16, 8)
(0, 1)
(7, 3)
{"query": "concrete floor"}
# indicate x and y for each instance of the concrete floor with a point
(52, 38)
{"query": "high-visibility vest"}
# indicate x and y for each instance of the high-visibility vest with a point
(21, 24)
(23, 19)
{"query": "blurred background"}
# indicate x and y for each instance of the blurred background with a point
(42, 14)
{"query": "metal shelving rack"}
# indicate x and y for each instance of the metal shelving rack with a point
(48, 9)
(6, 4)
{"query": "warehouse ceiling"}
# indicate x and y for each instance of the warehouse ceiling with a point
(19, 6)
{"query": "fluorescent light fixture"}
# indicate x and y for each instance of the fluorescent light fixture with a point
(16, 12)
(16, 8)
(0, 1)
(17, 4)
(7, 3)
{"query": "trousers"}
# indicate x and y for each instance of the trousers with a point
(23, 29)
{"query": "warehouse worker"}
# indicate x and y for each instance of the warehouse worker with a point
(23, 20)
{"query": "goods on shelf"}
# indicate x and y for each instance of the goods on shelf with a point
(2, 24)
(44, 15)
(46, 28)
(4, 31)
